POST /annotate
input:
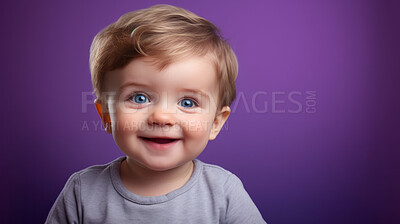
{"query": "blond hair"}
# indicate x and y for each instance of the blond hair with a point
(166, 33)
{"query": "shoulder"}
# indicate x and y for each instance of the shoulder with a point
(218, 175)
(213, 170)
(228, 189)
(94, 173)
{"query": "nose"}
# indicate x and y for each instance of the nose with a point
(162, 116)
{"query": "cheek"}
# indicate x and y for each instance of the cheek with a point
(127, 122)
(198, 128)
(125, 128)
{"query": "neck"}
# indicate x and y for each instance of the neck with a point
(146, 182)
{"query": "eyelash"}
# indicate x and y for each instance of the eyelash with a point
(130, 96)
(196, 104)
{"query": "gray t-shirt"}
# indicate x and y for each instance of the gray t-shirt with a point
(97, 195)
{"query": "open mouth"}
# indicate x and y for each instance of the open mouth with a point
(160, 140)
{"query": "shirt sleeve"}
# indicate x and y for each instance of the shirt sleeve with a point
(67, 207)
(240, 207)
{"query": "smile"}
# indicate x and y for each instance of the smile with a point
(160, 140)
(160, 143)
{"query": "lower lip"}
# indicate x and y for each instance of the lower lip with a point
(158, 146)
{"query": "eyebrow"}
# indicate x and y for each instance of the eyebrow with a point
(123, 86)
(196, 91)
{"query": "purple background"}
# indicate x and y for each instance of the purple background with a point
(337, 165)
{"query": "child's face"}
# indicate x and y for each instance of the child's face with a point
(163, 119)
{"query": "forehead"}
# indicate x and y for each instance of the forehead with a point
(196, 72)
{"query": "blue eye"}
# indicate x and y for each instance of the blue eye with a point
(188, 103)
(140, 98)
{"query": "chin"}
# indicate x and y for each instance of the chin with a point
(160, 165)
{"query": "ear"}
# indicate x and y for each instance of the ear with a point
(219, 121)
(104, 115)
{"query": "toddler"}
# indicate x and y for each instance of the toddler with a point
(164, 79)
